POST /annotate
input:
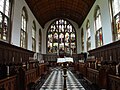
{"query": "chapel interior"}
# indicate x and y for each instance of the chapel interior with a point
(59, 44)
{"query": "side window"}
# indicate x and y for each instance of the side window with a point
(5, 19)
(98, 27)
(88, 34)
(115, 4)
(23, 33)
(34, 36)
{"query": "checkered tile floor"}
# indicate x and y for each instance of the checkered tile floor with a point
(55, 81)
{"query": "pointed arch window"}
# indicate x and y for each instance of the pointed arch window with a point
(5, 19)
(98, 28)
(82, 39)
(88, 34)
(34, 36)
(61, 37)
(115, 10)
(23, 33)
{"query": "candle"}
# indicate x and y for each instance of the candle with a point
(13, 59)
(101, 58)
(8, 70)
(88, 64)
(21, 59)
(117, 66)
(57, 52)
(95, 65)
(117, 69)
(110, 58)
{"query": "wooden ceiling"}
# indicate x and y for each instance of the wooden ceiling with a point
(46, 10)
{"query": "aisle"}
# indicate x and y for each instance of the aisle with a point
(55, 81)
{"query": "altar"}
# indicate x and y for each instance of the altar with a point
(65, 59)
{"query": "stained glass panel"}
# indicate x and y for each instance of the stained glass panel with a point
(116, 18)
(61, 35)
(98, 28)
(88, 36)
(34, 36)
(4, 19)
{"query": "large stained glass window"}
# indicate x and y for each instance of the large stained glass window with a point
(23, 33)
(61, 37)
(116, 17)
(88, 35)
(98, 28)
(4, 19)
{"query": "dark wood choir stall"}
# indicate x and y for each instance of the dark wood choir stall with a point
(18, 71)
(102, 68)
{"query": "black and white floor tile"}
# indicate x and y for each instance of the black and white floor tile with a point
(55, 81)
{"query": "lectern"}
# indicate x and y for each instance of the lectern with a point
(65, 75)
(64, 60)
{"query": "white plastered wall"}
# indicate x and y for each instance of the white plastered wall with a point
(106, 23)
(16, 26)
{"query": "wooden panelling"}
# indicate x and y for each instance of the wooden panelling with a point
(112, 49)
(53, 57)
(8, 51)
